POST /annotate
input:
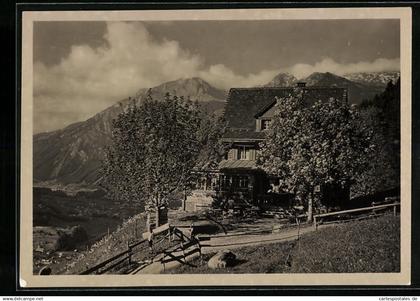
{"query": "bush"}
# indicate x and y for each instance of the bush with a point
(69, 241)
(63, 242)
(78, 235)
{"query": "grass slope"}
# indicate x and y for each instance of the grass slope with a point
(101, 250)
(360, 247)
(364, 246)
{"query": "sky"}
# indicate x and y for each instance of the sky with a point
(81, 68)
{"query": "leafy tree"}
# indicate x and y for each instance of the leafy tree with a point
(156, 145)
(382, 113)
(213, 148)
(311, 146)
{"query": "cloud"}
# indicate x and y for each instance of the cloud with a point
(222, 77)
(90, 79)
(329, 65)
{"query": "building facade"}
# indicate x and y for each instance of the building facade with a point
(238, 179)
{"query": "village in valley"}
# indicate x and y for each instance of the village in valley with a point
(294, 175)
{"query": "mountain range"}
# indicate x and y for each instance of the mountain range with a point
(74, 154)
(379, 79)
(360, 85)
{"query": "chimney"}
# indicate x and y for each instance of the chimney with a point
(301, 84)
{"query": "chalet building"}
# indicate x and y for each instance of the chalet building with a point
(248, 113)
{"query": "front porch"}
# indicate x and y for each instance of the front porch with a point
(236, 183)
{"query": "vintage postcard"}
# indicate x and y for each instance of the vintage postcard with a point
(215, 147)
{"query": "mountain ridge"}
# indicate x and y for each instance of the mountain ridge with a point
(374, 78)
(74, 154)
(282, 80)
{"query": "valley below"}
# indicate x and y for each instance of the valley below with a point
(58, 215)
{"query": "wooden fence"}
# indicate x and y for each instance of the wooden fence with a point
(168, 255)
(318, 218)
(114, 261)
(187, 247)
(121, 257)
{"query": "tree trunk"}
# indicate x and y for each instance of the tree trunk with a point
(149, 221)
(184, 201)
(310, 208)
(157, 217)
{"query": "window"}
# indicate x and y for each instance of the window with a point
(242, 153)
(246, 153)
(265, 124)
(213, 183)
(228, 182)
(243, 181)
(225, 182)
(201, 185)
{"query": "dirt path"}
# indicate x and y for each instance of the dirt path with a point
(239, 240)
(233, 240)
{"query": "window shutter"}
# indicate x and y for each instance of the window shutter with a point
(235, 154)
(230, 154)
(252, 154)
(258, 125)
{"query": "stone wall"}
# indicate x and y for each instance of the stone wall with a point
(199, 200)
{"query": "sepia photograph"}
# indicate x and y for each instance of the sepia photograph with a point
(215, 148)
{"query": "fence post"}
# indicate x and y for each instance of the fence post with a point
(395, 210)
(184, 239)
(183, 250)
(298, 223)
(197, 241)
(315, 224)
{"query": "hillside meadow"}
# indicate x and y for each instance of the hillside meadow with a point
(369, 246)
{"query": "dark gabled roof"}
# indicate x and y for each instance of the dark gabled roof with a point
(243, 104)
(235, 133)
(265, 109)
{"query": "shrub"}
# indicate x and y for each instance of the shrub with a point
(63, 242)
(78, 235)
(69, 241)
